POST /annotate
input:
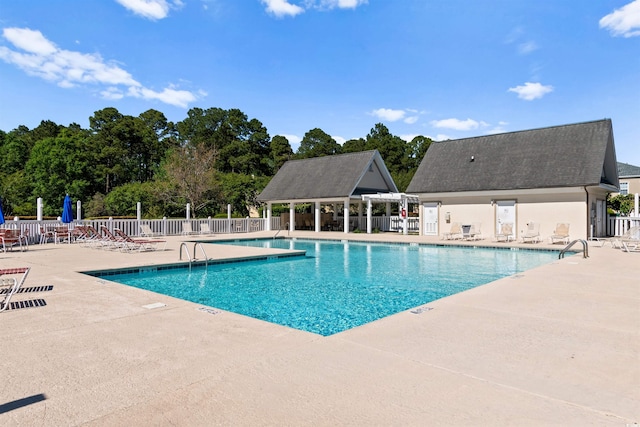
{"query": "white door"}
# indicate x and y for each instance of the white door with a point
(506, 212)
(601, 218)
(430, 214)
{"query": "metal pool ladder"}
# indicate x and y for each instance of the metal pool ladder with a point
(195, 245)
(585, 248)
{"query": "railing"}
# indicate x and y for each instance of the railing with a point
(618, 225)
(585, 248)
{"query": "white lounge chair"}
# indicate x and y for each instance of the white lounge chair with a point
(11, 279)
(505, 233)
(632, 235)
(532, 233)
(146, 231)
(205, 229)
(454, 233)
(475, 232)
(187, 229)
(561, 233)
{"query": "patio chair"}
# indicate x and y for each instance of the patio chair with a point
(561, 233)
(505, 233)
(532, 234)
(11, 237)
(454, 233)
(46, 235)
(629, 246)
(11, 279)
(110, 241)
(204, 229)
(186, 228)
(61, 233)
(146, 231)
(140, 245)
(632, 235)
(475, 232)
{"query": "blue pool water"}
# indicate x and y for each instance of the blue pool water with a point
(337, 285)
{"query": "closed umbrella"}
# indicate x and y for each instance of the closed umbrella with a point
(1, 214)
(67, 210)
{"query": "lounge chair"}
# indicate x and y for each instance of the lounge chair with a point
(11, 279)
(454, 233)
(204, 229)
(146, 231)
(475, 232)
(628, 246)
(561, 233)
(631, 236)
(111, 241)
(505, 233)
(129, 243)
(532, 233)
(186, 228)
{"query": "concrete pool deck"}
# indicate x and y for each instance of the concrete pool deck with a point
(555, 345)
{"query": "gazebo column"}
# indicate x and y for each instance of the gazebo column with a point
(317, 221)
(369, 216)
(292, 216)
(359, 214)
(346, 216)
(268, 225)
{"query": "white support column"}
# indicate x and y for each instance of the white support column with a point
(268, 226)
(636, 204)
(292, 217)
(369, 216)
(346, 216)
(405, 222)
(317, 221)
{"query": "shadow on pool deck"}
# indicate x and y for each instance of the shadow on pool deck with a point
(556, 345)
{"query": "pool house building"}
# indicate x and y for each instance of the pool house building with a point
(546, 176)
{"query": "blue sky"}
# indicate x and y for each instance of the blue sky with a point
(441, 68)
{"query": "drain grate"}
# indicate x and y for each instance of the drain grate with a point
(30, 303)
(42, 288)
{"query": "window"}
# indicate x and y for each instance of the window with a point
(624, 188)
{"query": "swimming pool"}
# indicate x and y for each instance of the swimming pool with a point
(338, 285)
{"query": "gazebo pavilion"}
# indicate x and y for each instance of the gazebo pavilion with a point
(339, 181)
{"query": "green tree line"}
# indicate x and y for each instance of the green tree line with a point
(212, 158)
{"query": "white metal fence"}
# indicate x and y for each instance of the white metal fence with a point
(616, 226)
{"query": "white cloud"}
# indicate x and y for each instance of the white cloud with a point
(527, 47)
(341, 4)
(624, 21)
(41, 58)
(441, 137)
(388, 114)
(408, 137)
(340, 140)
(530, 91)
(282, 8)
(150, 9)
(457, 124)
(411, 120)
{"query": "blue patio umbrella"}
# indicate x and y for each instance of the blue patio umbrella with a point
(1, 213)
(67, 210)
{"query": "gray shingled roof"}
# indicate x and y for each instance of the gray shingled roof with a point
(325, 177)
(560, 156)
(625, 170)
